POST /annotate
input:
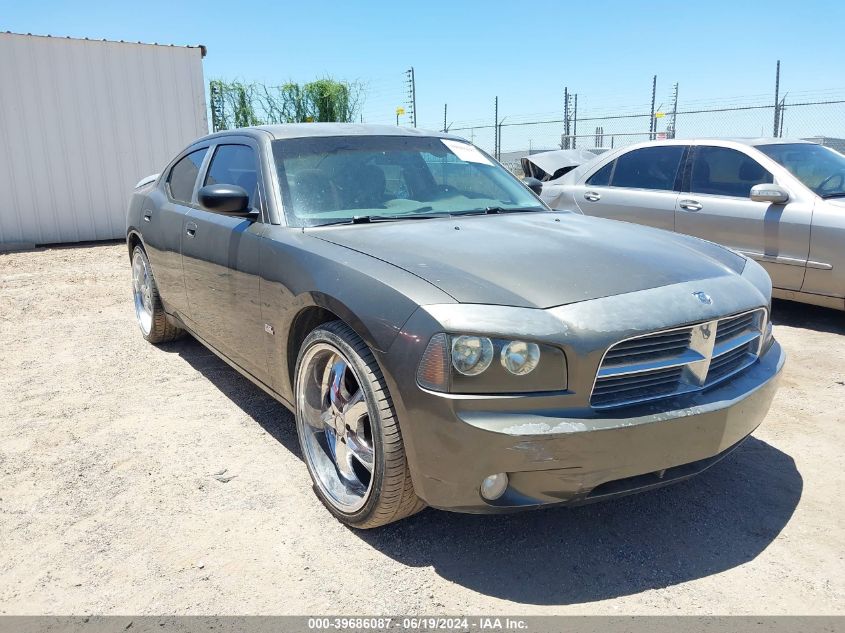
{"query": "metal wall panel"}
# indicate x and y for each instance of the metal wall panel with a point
(82, 121)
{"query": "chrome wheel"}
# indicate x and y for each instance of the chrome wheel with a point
(142, 291)
(334, 424)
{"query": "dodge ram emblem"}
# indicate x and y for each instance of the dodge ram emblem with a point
(703, 297)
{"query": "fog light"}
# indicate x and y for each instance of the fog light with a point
(494, 486)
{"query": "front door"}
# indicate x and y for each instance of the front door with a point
(715, 205)
(220, 259)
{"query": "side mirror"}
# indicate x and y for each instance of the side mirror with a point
(533, 184)
(769, 193)
(225, 199)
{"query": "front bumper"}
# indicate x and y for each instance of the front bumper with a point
(555, 457)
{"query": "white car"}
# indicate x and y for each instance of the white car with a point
(780, 202)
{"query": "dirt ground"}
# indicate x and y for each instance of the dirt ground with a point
(145, 480)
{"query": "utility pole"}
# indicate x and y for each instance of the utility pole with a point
(653, 123)
(674, 122)
(496, 128)
(575, 122)
(565, 144)
(445, 108)
(499, 136)
(412, 94)
(776, 127)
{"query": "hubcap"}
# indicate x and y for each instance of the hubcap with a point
(142, 291)
(334, 424)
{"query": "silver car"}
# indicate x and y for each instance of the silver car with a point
(780, 202)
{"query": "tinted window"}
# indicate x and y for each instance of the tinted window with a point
(649, 168)
(234, 165)
(183, 176)
(602, 177)
(725, 172)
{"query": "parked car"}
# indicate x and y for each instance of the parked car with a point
(780, 202)
(442, 336)
(553, 164)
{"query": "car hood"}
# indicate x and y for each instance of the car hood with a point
(538, 260)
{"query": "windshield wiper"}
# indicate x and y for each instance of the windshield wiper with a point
(497, 210)
(838, 194)
(368, 219)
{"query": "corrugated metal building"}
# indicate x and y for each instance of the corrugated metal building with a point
(81, 121)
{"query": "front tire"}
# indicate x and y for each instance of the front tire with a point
(348, 431)
(149, 311)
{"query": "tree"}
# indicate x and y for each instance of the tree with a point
(236, 104)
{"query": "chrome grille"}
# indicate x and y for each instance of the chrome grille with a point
(734, 325)
(665, 345)
(645, 385)
(676, 361)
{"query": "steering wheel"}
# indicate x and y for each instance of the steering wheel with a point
(821, 188)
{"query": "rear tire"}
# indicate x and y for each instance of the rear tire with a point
(348, 431)
(149, 311)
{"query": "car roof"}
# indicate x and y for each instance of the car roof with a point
(303, 130)
(754, 141)
(575, 174)
(750, 141)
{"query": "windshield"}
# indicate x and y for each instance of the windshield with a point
(819, 168)
(337, 179)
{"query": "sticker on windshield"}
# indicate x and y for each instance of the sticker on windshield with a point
(466, 152)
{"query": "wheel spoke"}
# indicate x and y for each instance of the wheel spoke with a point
(343, 453)
(360, 450)
(330, 438)
(355, 412)
(337, 389)
(333, 417)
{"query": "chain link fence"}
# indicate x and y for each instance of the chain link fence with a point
(514, 137)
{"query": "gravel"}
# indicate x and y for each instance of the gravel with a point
(144, 480)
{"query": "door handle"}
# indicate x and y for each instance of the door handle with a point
(148, 215)
(690, 205)
(592, 196)
(190, 229)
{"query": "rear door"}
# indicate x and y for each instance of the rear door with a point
(639, 186)
(220, 258)
(716, 206)
(162, 221)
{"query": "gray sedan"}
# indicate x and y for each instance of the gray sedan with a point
(780, 202)
(442, 336)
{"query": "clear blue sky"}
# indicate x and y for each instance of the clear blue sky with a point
(466, 52)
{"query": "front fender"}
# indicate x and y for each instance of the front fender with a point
(300, 273)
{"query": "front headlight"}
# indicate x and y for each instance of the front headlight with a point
(465, 364)
(520, 358)
(471, 355)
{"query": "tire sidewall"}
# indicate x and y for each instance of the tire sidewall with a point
(359, 367)
(139, 250)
